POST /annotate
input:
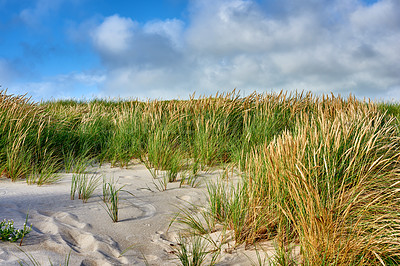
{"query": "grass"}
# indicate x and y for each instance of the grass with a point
(327, 185)
(76, 164)
(111, 198)
(161, 183)
(320, 172)
(45, 170)
(33, 261)
(84, 184)
(192, 251)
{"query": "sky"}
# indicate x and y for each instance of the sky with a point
(85, 49)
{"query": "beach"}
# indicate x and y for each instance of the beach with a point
(84, 232)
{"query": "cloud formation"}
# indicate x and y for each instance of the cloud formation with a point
(322, 46)
(114, 35)
(340, 46)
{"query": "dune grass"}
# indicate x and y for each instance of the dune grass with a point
(84, 184)
(328, 184)
(318, 172)
(111, 198)
(192, 251)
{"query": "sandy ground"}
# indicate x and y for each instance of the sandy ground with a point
(61, 226)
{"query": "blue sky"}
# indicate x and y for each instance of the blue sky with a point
(52, 49)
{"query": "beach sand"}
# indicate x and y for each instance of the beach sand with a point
(61, 226)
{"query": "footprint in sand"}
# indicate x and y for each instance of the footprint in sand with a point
(148, 210)
(47, 225)
(70, 219)
(82, 240)
(64, 230)
(192, 197)
(96, 245)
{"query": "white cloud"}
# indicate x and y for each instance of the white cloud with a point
(382, 15)
(122, 42)
(113, 35)
(224, 27)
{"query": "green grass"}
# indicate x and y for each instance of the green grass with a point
(320, 172)
(84, 185)
(111, 198)
(192, 251)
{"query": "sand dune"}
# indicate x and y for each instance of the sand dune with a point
(62, 226)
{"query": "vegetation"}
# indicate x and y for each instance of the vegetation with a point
(321, 173)
(33, 261)
(9, 233)
(192, 251)
(111, 198)
(84, 184)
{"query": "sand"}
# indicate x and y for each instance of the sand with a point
(61, 226)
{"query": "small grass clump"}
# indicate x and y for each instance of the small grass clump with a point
(84, 185)
(111, 198)
(192, 251)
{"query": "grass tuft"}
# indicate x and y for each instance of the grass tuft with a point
(84, 185)
(111, 198)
